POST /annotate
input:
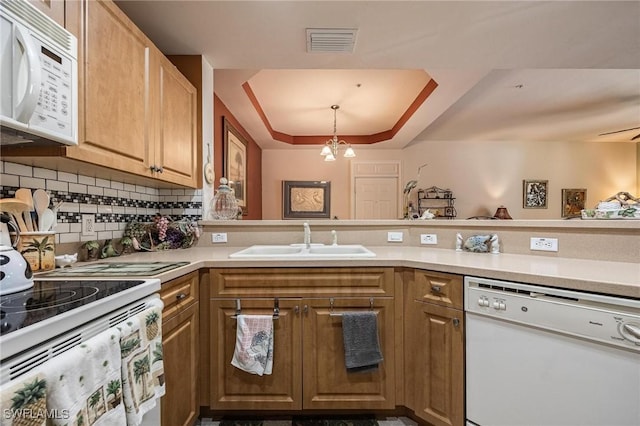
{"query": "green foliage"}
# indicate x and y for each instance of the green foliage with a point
(30, 393)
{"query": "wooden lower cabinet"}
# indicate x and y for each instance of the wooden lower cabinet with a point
(180, 338)
(434, 356)
(326, 382)
(234, 389)
(309, 370)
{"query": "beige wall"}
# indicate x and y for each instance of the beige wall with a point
(482, 175)
(308, 164)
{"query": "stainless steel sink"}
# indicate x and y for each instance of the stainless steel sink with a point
(296, 251)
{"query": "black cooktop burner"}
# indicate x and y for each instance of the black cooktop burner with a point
(49, 298)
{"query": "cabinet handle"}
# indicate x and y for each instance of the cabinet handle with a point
(456, 322)
(160, 169)
(436, 288)
(152, 168)
(305, 309)
(180, 296)
(296, 309)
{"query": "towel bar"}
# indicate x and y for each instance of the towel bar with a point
(276, 309)
(339, 314)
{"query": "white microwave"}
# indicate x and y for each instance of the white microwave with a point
(38, 76)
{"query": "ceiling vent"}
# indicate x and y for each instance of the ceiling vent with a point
(331, 40)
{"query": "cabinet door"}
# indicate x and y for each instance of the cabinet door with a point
(113, 104)
(327, 384)
(438, 349)
(176, 138)
(180, 337)
(235, 389)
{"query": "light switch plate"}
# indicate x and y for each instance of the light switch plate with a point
(394, 237)
(544, 244)
(219, 237)
(428, 239)
(88, 225)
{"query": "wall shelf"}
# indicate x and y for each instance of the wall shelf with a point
(438, 201)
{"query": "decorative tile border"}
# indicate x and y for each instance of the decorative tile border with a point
(114, 203)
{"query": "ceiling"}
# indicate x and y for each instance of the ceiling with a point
(505, 70)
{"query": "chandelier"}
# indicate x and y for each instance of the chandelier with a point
(330, 149)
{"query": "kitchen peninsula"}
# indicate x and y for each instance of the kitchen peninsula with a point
(406, 284)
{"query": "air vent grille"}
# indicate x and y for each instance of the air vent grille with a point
(42, 23)
(331, 40)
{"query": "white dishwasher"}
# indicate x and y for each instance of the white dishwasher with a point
(543, 356)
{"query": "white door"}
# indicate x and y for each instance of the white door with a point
(376, 198)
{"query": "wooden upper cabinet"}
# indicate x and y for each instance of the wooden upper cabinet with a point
(54, 9)
(137, 113)
(113, 98)
(176, 126)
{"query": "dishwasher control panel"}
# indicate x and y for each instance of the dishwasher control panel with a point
(606, 319)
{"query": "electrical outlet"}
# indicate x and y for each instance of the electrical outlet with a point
(394, 237)
(544, 244)
(220, 237)
(88, 224)
(428, 239)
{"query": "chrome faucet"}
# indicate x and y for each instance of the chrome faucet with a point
(307, 235)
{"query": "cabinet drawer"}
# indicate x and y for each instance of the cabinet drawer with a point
(179, 294)
(301, 282)
(438, 288)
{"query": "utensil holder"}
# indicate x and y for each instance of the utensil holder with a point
(39, 249)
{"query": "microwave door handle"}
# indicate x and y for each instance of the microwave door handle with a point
(25, 108)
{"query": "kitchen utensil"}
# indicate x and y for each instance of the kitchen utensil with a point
(208, 167)
(57, 206)
(16, 272)
(24, 194)
(47, 221)
(16, 208)
(40, 203)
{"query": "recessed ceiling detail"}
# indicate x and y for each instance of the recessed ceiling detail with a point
(331, 40)
(294, 105)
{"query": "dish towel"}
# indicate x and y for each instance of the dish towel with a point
(24, 400)
(84, 384)
(142, 365)
(361, 344)
(254, 344)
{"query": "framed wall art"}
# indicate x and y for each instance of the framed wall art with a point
(534, 194)
(306, 199)
(573, 201)
(235, 163)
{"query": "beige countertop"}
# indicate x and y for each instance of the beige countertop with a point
(615, 278)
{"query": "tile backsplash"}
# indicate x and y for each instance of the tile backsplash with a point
(113, 203)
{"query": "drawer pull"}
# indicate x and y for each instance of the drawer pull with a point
(180, 296)
(436, 288)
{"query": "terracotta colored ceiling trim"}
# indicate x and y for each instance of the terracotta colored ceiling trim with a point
(352, 139)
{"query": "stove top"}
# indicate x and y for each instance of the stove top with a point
(52, 307)
(124, 269)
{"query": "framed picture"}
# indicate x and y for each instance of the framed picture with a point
(235, 163)
(534, 194)
(573, 201)
(306, 199)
